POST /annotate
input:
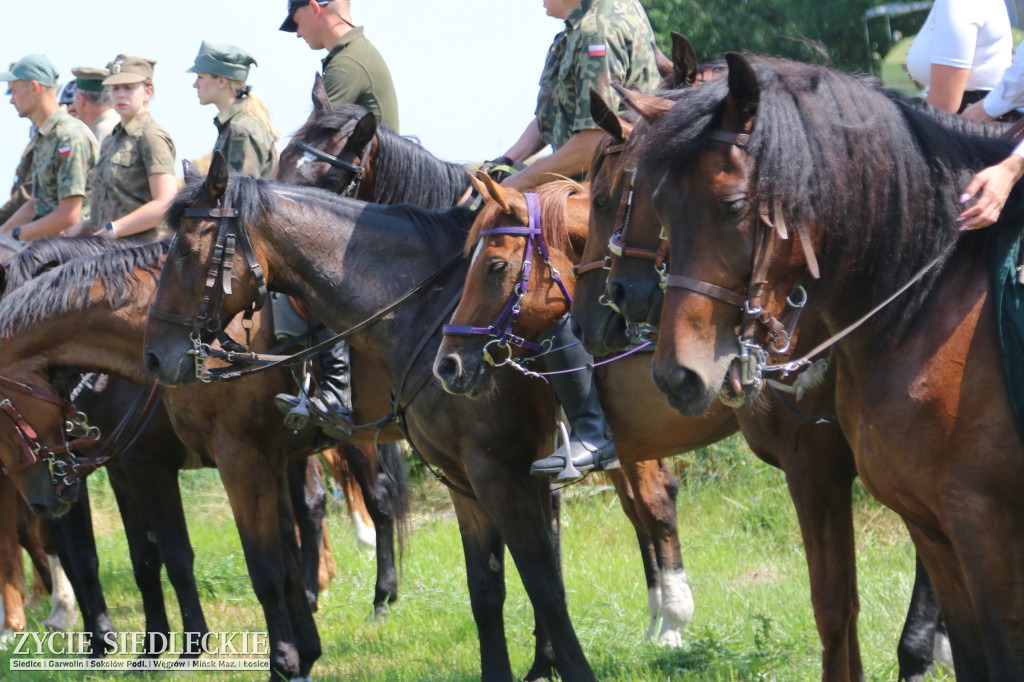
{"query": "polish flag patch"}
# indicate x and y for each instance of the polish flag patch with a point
(596, 50)
(64, 151)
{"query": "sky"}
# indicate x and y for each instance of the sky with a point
(465, 71)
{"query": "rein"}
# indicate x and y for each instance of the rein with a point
(502, 330)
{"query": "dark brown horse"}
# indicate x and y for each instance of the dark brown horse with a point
(348, 260)
(864, 184)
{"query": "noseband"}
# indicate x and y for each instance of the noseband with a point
(218, 285)
(349, 189)
(618, 247)
(62, 470)
(502, 331)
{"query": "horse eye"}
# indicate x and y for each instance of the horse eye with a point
(601, 200)
(736, 207)
(496, 267)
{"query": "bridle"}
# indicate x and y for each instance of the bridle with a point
(618, 247)
(753, 357)
(63, 470)
(604, 263)
(502, 332)
(218, 285)
(345, 188)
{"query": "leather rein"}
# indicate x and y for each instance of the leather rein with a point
(502, 332)
(345, 189)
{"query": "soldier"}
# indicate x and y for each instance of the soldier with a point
(354, 71)
(67, 99)
(245, 136)
(134, 181)
(62, 160)
(604, 41)
(93, 105)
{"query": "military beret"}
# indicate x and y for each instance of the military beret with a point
(89, 78)
(34, 67)
(289, 23)
(124, 70)
(226, 61)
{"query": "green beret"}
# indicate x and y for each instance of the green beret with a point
(34, 67)
(125, 70)
(89, 78)
(226, 61)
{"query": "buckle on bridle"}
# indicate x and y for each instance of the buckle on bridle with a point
(500, 343)
(753, 359)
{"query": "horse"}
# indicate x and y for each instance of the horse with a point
(123, 276)
(789, 174)
(344, 150)
(347, 260)
(645, 430)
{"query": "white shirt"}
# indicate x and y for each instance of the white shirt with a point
(966, 34)
(1009, 92)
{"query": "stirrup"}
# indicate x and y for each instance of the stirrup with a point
(298, 417)
(570, 471)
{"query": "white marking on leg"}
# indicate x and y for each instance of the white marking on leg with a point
(942, 654)
(676, 607)
(62, 612)
(654, 609)
(366, 534)
(495, 564)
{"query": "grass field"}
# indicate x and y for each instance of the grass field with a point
(741, 546)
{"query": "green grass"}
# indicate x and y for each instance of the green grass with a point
(741, 546)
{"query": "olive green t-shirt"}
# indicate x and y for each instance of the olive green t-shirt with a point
(246, 142)
(355, 73)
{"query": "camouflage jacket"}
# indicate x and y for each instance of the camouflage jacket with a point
(604, 42)
(246, 143)
(129, 156)
(21, 190)
(355, 73)
(62, 163)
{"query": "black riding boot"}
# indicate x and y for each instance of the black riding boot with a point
(330, 407)
(591, 444)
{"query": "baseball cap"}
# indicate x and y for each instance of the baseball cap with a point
(89, 78)
(67, 94)
(289, 23)
(124, 70)
(226, 61)
(34, 67)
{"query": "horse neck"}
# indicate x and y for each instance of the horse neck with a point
(430, 186)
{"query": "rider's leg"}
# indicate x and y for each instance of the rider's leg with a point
(590, 443)
(331, 405)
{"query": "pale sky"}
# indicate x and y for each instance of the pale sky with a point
(465, 71)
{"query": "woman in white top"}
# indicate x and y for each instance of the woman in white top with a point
(961, 51)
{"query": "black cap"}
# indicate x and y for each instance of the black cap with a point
(289, 23)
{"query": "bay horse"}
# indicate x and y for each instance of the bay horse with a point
(346, 260)
(112, 291)
(645, 428)
(344, 150)
(866, 183)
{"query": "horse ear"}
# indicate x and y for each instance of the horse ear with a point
(481, 188)
(605, 117)
(651, 107)
(664, 64)
(496, 192)
(189, 170)
(744, 94)
(364, 131)
(321, 102)
(684, 61)
(217, 179)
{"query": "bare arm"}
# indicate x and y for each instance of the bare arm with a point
(67, 213)
(947, 87)
(528, 144)
(19, 217)
(573, 158)
(163, 187)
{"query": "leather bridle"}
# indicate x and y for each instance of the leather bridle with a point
(502, 332)
(604, 263)
(218, 285)
(346, 187)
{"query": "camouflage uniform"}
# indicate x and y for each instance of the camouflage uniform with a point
(21, 190)
(129, 156)
(604, 42)
(355, 73)
(246, 143)
(62, 163)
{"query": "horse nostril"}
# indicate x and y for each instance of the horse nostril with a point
(152, 362)
(448, 368)
(38, 509)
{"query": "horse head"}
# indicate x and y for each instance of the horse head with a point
(522, 249)
(332, 149)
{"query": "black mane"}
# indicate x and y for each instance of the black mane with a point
(69, 286)
(874, 174)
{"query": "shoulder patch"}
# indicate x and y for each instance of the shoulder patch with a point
(596, 50)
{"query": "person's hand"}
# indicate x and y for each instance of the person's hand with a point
(77, 229)
(992, 187)
(976, 112)
(498, 168)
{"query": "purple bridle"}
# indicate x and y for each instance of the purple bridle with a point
(502, 329)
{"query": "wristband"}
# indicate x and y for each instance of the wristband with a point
(109, 228)
(16, 233)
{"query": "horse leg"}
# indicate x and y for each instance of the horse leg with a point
(50, 572)
(917, 641)
(309, 502)
(648, 554)
(34, 538)
(357, 511)
(76, 547)
(820, 487)
(12, 567)
(544, 652)
(485, 573)
(655, 490)
(252, 492)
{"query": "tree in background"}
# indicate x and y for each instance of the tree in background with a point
(818, 31)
